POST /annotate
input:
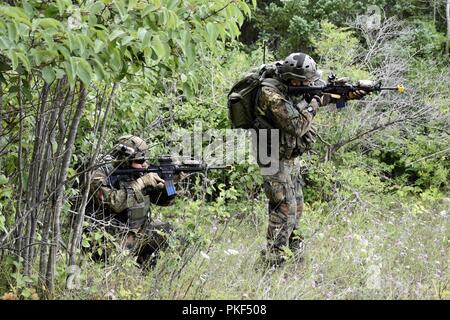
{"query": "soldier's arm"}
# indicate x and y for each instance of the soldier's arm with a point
(284, 114)
(116, 199)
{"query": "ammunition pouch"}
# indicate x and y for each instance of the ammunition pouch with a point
(137, 214)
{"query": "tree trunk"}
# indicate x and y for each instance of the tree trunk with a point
(447, 15)
(33, 180)
(18, 233)
(1, 112)
(60, 187)
(57, 108)
(76, 238)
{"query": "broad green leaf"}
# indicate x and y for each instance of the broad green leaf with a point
(131, 4)
(23, 30)
(141, 33)
(158, 47)
(29, 11)
(246, 9)
(120, 5)
(172, 4)
(16, 13)
(187, 46)
(49, 23)
(98, 236)
(63, 50)
(24, 59)
(84, 70)
(81, 44)
(99, 70)
(5, 44)
(185, 40)
(72, 43)
(69, 67)
(59, 73)
(3, 179)
(85, 243)
(96, 7)
(221, 29)
(172, 20)
(148, 9)
(234, 30)
(13, 33)
(115, 61)
(102, 35)
(62, 5)
(212, 32)
(98, 45)
(162, 17)
(48, 74)
(86, 41)
(126, 40)
(117, 33)
(14, 59)
(239, 16)
(146, 42)
(2, 223)
(148, 55)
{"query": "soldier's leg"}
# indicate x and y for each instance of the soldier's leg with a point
(154, 239)
(279, 190)
(296, 239)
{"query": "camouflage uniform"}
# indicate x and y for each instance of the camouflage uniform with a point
(284, 189)
(126, 212)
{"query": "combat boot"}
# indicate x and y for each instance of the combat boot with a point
(297, 246)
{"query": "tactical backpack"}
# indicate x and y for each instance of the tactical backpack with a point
(243, 95)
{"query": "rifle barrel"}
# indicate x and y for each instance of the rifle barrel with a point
(400, 88)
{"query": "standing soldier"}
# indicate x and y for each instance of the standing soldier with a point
(292, 116)
(122, 203)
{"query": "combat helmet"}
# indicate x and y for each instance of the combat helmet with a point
(299, 66)
(130, 147)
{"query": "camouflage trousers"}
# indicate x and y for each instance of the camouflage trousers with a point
(284, 191)
(147, 242)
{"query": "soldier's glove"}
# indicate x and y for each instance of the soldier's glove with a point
(149, 180)
(326, 99)
(358, 94)
(315, 103)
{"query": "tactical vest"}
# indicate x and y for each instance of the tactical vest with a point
(138, 204)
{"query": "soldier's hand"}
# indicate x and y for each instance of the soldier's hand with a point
(356, 95)
(315, 103)
(149, 180)
(325, 99)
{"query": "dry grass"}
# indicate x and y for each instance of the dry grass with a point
(358, 250)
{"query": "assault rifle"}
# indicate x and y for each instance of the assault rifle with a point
(340, 88)
(167, 168)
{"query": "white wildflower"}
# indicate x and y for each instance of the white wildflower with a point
(204, 255)
(231, 252)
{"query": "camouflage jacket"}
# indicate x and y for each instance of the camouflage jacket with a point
(291, 116)
(114, 197)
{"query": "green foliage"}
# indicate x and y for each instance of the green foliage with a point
(175, 62)
(14, 282)
(294, 23)
(337, 46)
(94, 41)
